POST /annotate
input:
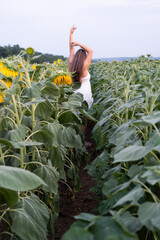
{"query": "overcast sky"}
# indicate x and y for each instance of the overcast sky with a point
(112, 28)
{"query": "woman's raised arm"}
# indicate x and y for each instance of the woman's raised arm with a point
(71, 47)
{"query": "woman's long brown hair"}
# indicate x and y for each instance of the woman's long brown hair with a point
(77, 65)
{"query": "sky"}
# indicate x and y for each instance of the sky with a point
(112, 28)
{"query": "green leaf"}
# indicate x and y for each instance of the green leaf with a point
(50, 176)
(69, 117)
(8, 197)
(133, 196)
(131, 153)
(102, 122)
(69, 138)
(35, 57)
(6, 122)
(152, 176)
(18, 134)
(49, 133)
(78, 233)
(131, 103)
(153, 118)
(134, 153)
(86, 217)
(134, 170)
(73, 174)
(44, 110)
(23, 144)
(120, 187)
(122, 134)
(74, 101)
(131, 223)
(106, 228)
(154, 141)
(51, 89)
(57, 155)
(87, 115)
(20, 144)
(6, 142)
(155, 169)
(14, 89)
(34, 91)
(111, 171)
(35, 101)
(149, 215)
(108, 185)
(32, 214)
(100, 162)
(17, 179)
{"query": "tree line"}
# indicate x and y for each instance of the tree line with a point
(6, 51)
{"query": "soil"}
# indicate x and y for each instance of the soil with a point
(81, 201)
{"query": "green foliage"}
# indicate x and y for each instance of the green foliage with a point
(97, 227)
(17, 179)
(40, 138)
(32, 214)
(126, 106)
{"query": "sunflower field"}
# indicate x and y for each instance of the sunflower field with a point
(41, 138)
(127, 108)
(41, 142)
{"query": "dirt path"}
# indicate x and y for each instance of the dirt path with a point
(84, 199)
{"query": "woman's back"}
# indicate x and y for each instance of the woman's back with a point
(85, 89)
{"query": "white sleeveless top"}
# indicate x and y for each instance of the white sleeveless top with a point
(85, 89)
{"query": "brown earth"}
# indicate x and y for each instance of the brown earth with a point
(83, 200)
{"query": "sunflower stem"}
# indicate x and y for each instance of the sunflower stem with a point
(56, 111)
(2, 156)
(33, 129)
(18, 123)
(15, 109)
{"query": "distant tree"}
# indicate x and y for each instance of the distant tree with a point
(3, 52)
(9, 50)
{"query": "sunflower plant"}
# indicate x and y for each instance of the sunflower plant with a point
(127, 106)
(40, 134)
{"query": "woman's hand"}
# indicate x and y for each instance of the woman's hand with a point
(73, 44)
(73, 28)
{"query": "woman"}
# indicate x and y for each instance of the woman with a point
(79, 64)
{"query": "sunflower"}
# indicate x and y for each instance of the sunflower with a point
(55, 63)
(68, 80)
(63, 80)
(2, 95)
(9, 84)
(30, 51)
(59, 61)
(34, 67)
(7, 72)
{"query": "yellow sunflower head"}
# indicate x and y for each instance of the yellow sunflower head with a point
(63, 80)
(30, 51)
(59, 61)
(2, 95)
(34, 67)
